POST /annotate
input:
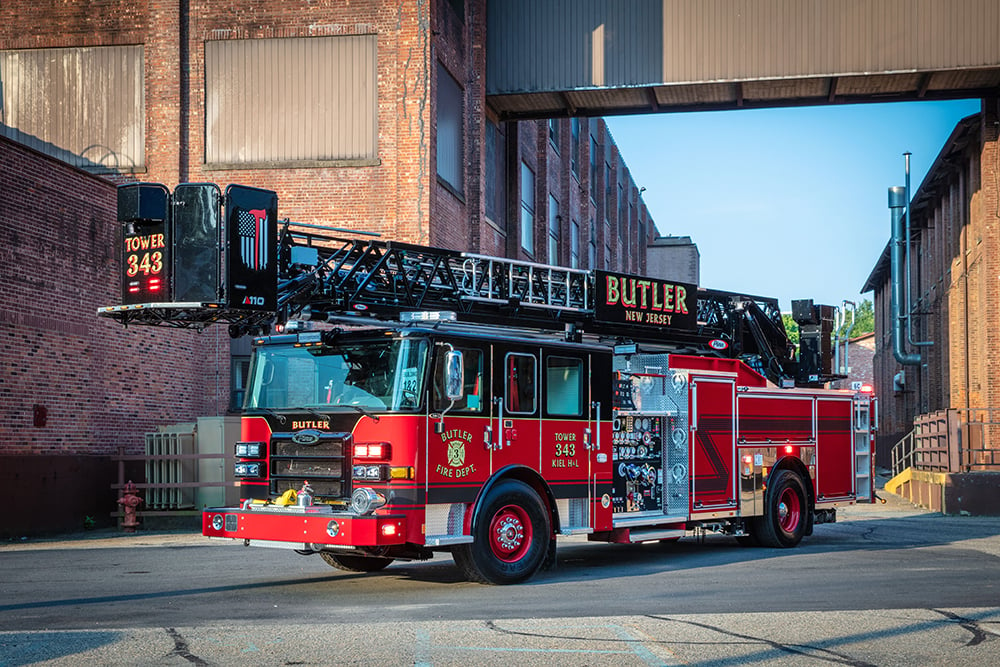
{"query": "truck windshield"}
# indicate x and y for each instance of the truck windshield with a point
(378, 375)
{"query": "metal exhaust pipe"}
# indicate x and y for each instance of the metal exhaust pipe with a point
(897, 202)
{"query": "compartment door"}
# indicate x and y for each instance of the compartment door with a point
(713, 444)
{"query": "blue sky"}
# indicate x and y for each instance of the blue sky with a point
(787, 203)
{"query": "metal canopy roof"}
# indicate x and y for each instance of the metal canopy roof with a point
(552, 58)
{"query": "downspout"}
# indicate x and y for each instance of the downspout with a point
(897, 202)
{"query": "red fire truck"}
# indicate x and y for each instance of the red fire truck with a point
(404, 400)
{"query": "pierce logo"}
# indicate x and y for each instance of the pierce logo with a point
(718, 344)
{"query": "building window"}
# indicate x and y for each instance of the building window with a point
(622, 220)
(277, 101)
(554, 133)
(574, 245)
(593, 168)
(553, 230)
(607, 244)
(527, 209)
(85, 106)
(633, 257)
(609, 191)
(592, 243)
(450, 144)
(495, 178)
(574, 149)
(239, 370)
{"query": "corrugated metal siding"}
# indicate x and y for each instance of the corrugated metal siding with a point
(538, 45)
(85, 106)
(280, 100)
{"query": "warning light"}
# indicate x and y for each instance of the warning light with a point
(867, 388)
(372, 450)
(789, 449)
(389, 529)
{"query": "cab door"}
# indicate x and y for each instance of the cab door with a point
(458, 448)
(516, 408)
(566, 436)
(713, 444)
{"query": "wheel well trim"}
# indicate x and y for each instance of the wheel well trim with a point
(795, 465)
(527, 476)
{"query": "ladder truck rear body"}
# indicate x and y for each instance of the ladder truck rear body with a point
(413, 399)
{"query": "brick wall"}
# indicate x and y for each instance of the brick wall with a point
(74, 386)
(954, 287)
(391, 197)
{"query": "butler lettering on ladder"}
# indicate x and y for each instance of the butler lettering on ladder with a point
(253, 238)
(646, 301)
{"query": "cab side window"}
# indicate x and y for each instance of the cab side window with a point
(472, 400)
(521, 382)
(564, 386)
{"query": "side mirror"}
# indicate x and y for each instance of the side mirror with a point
(454, 375)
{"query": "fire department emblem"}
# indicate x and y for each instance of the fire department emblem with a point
(456, 453)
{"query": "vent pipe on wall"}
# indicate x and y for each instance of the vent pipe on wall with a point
(897, 202)
(908, 309)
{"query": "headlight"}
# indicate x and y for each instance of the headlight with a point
(249, 450)
(373, 473)
(217, 522)
(366, 501)
(247, 470)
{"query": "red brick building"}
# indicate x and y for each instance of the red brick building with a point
(366, 115)
(955, 261)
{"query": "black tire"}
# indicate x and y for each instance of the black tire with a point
(511, 536)
(786, 512)
(355, 563)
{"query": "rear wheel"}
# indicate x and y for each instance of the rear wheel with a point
(355, 563)
(510, 537)
(787, 510)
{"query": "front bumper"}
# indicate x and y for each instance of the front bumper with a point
(302, 527)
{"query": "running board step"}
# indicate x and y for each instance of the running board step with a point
(651, 534)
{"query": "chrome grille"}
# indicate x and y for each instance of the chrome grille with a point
(324, 463)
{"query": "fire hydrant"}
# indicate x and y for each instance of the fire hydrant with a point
(129, 501)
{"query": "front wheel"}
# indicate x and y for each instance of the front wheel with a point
(786, 512)
(510, 536)
(355, 563)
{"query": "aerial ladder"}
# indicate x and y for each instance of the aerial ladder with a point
(258, 273)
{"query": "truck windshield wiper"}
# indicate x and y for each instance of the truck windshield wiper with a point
(360, 409)
(366, 413)
(271, 413)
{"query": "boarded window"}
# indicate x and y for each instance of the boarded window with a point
(450, 146)
(85, 105)
(291, 100)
